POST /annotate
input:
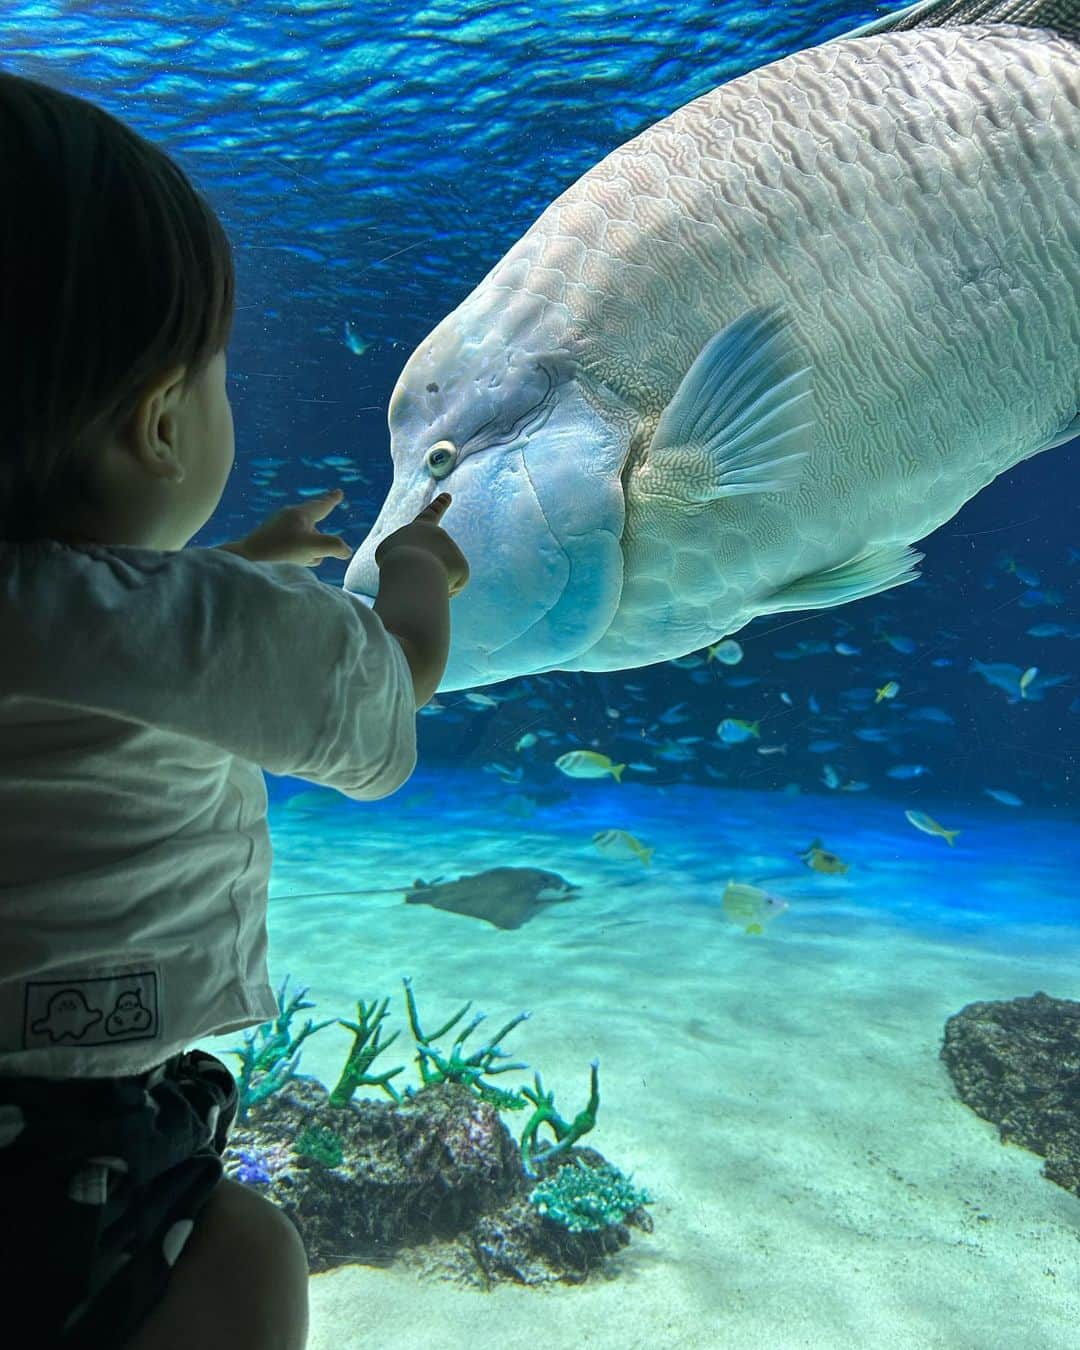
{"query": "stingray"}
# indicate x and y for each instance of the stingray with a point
(504, 896)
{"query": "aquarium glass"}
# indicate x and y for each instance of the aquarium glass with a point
(779, 857)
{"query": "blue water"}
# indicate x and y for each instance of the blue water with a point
(371, 162)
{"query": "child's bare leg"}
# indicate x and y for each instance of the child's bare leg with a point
(240, 1282)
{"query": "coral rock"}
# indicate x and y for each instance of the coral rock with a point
(1017, 1064)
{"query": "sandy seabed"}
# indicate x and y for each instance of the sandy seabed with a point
(816, 1181)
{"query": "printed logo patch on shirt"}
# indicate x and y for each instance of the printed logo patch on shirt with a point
(99, 1010)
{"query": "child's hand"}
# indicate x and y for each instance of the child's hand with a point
(289, 535)
(426, 534)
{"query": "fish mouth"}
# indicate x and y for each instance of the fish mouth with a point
(542, 524)
(471, 674)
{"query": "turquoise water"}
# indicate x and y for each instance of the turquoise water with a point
(814, 1179)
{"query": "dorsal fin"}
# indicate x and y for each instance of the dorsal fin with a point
(1062, 16)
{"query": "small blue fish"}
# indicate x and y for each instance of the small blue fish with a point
(355, 343)
(1005, 798)
(507, 775)
(673, 753)
(728, 652)
(1024, 574)
(805, 648)
(904, 645)
(931, 715)
(906, 771)
(1032, 599)
(1045, 630)
(1001, 674)
(734, 730)
(1018, 684)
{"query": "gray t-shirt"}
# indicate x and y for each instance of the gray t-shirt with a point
(139, 692)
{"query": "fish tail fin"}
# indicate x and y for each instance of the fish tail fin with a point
(646, 855)
(616, 772)
(950, 835)
(1062, 16)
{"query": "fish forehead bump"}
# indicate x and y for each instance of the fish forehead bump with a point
(497, 347)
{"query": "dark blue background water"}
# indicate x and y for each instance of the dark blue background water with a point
(371, 162)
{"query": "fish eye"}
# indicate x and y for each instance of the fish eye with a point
(440, 458)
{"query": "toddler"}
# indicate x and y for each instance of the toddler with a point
(142, 686)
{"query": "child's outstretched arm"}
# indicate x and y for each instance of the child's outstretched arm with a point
(420, 569)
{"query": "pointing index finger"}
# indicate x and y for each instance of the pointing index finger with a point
(317, 508)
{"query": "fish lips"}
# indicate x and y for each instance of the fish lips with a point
(540, 522)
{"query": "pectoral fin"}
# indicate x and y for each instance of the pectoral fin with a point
(867, 574)
(739, 421)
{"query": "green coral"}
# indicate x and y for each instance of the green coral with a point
(437, 1068)
(321, 1145)
(270, 1054)
(587, 1199)
(355, 1073)
(545, 1114)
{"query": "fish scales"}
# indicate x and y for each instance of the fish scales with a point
(912, 289)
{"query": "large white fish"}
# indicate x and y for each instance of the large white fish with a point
(748, 359)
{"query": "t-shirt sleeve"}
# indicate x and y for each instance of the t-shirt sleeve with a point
(261, 659)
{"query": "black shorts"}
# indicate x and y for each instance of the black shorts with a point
(101, 1180)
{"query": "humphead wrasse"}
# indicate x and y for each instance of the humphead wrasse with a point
(752, 355)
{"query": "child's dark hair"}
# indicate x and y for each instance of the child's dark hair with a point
(113, 270)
